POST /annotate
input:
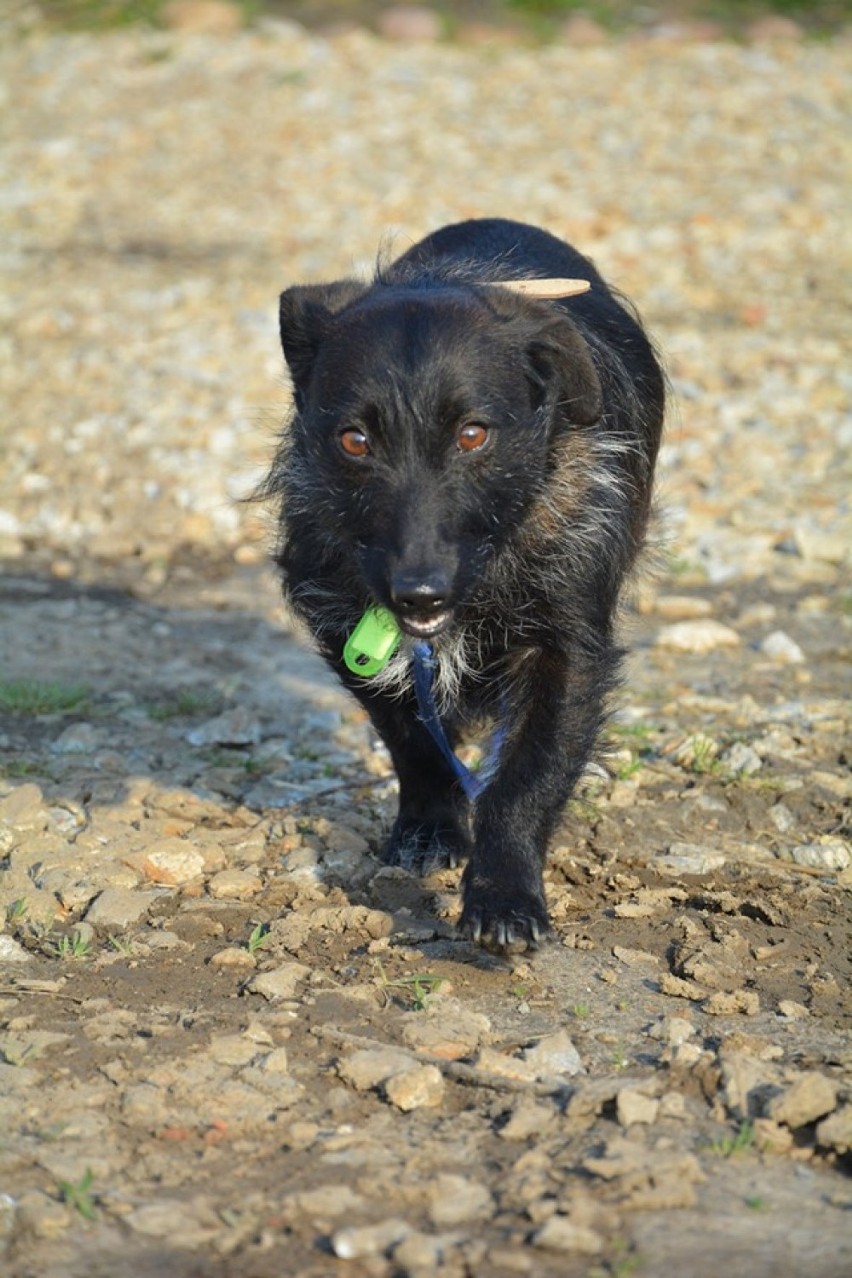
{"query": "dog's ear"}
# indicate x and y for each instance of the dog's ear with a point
(562, 371)
(305, 315)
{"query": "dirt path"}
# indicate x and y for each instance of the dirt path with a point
(232, 1044)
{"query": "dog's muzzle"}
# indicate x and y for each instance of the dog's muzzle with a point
(421, 602)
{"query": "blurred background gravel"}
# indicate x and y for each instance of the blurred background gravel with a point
(161, 187)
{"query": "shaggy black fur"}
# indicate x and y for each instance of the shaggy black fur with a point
(509, 554)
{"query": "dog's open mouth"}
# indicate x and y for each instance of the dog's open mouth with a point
(427, 626)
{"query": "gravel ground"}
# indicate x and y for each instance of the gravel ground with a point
(231, 1044)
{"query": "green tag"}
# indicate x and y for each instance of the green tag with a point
(372, 643)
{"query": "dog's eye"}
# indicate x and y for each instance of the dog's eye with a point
(354, 443)
(472, 437)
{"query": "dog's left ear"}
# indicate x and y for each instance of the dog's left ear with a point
(562, 371)
(305, 316)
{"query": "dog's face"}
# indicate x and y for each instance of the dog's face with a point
(424, 429)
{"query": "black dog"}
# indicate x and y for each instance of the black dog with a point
(479, 462)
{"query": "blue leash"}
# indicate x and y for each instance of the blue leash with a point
(423, 666)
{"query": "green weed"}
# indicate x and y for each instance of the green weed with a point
(184, 706)
(740, 1140)
(71, 948)
(36, 697)
(79, 1195)
(258, 938)
(416, 987)
(16, 910)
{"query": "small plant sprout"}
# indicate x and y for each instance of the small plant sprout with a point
(742, 1139)
(79, 1195)
(16, 910)
(416, 987)
(35, 697)
(258, 938)
(71, 948)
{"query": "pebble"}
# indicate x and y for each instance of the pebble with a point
(368, 1240)
(780, 647)
(741, 760)
(827, 853)
(239, 885)
(23, 810)
(280, 982)
(118, 908)
(410, 22)
(633, 1106)
(446, 1028)
(416, 1088)
(458, 1200)
(369, 1067)
(171, 861)
(811, 1096)
(77, 738)
(699, 636)
(527, 1118)
(559, 1233)
(689, 858)
(835, 1132)
(554, 1056)
(236, 727)
(233, 958)
(11, 951)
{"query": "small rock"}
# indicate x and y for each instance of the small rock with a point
(701, 635)
(455, 1200)
(554, 1056)
(370, 1067)
(741, 760)
(836, 1132)
(631, 1106)
(232, 1049)
(327, 1201)
(276, 1061)
(728, 1004)
(528, 1118)
(236, 727)
(41, 1215)
(826, 853)
(689, 858)
(11, 951)
(792, 1010)
(681, 607)
(416, 1088)
(559, 1233)
(77, 738)
(368, 1240)
(280, 982)
(172, 861)
(818, 544)
(233, 958)
(447, 1029)
(810, 1097)
(234, 884)
(780, 647)
(24, 810)
(409, 22)
(183, 1224)
(118, 907)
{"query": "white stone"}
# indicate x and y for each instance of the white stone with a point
(780, 647)
(700, 635)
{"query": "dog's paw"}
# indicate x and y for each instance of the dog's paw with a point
(491, 914)
(424, 846)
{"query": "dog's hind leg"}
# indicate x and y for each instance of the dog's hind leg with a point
(548, 746)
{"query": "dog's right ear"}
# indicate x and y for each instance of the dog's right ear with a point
(305, 316)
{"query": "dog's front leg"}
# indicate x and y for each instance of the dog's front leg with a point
(551, 735)
(432, 827)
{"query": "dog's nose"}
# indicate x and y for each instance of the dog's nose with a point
(419, 594)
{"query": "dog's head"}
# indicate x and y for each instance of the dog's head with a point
(426, 419)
